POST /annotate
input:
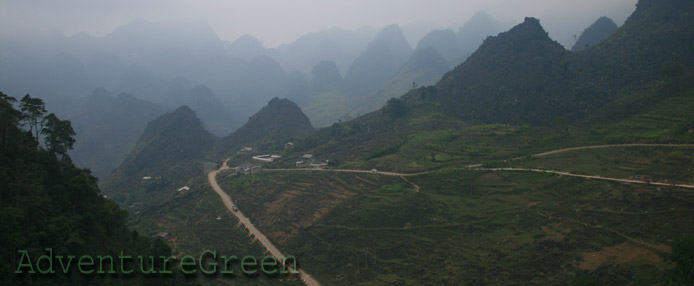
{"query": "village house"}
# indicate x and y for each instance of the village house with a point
(247, 169)
(322, 164)
(266, 158)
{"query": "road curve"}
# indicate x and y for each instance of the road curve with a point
(479, 168)
(274, 251)
(607, 146)
(306, 278)
(588, 177)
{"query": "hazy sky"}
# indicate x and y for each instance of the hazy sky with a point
(281, 21)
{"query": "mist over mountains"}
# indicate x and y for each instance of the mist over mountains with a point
(483, 153)
(333, 75)
(594, 34)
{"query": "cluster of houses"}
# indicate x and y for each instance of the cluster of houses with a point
(307, 161)
(248, 169)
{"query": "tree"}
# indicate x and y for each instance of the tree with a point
(59, 134)
(32, 110)
(8, 117)
(683, 257)
(395, 108)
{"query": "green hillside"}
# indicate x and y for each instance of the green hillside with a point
(455, 219)
(279, 119)
(170, 149)
(448, 184)
(48, 203)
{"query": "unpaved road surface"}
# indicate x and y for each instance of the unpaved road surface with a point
(228, 203)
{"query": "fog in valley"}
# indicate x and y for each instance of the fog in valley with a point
(113, 66)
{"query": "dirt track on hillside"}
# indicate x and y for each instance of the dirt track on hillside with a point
(228, 203)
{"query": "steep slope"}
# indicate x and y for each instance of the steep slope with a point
(595, 34)
(656, 38)
(279, 119)
(246, 47)
(326, 76)
(445, 42)
(262, 80)
(171, 147)
(325, 98)
(107, 129)
(48, 203)
(379, 62)
(480, 26)
(515, 77)
(215, 116)
(425, 67)
(522, 76)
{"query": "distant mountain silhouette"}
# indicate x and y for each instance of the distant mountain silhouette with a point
(480, 26)
(212, 112)
(416, 31)
(326, 76)
(245, 47)
(425, 67)
(107, 129)
(337, 45)
(443, 41)
(379, 62)
(140, 81)
(595, 34)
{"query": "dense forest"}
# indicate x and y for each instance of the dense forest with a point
(48, 203)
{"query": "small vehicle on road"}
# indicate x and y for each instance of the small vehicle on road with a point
(374, 171)
(234, 208)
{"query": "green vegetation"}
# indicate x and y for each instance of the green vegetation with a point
(683, 257)
(170, 152)
(659, 164)
(520, 94)
(46, 202)
(467, 226)
(282, 203)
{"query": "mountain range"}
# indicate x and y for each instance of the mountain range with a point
(452, 170)
(524, 163)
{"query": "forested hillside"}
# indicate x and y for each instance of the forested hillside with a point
(47, 202)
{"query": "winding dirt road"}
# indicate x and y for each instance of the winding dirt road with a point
(588, 177)
(479, 167)
(274, 251)
(608, 146)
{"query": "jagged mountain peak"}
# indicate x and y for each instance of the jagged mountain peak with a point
(280, 118)
(595, 34)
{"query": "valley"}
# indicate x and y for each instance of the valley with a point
(484, 152)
